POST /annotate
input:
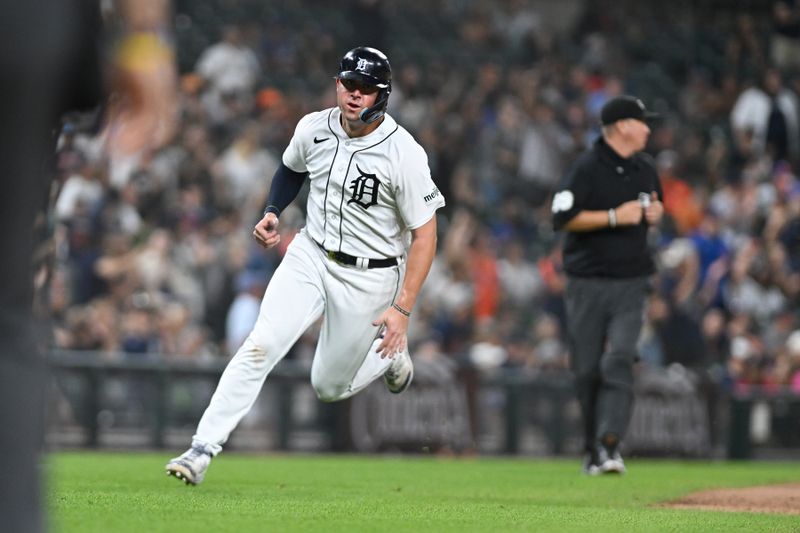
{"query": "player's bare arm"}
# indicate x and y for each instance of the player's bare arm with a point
(420, 257)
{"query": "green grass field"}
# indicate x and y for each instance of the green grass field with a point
(116, 492)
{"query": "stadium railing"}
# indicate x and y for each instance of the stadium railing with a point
(453, 407)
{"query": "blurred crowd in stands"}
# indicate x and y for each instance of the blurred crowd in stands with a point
(152, 253)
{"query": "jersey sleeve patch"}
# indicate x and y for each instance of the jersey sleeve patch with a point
(431, 196)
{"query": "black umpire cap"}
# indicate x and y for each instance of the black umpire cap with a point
(624, 107)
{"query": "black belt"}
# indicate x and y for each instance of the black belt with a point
(347, 259)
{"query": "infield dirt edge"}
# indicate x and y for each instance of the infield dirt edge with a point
(772, 499)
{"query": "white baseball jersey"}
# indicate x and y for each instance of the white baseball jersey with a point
(366, 194)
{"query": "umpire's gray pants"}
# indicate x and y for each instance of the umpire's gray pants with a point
(604, 318)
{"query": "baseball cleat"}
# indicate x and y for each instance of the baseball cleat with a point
(191, 466)
(400, 373)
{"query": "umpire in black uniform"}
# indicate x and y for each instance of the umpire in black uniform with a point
(606, 203)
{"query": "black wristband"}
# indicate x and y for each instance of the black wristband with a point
(272, 209)
(401, 310)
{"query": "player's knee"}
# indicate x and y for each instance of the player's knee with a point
(329, 395)
(329, 392)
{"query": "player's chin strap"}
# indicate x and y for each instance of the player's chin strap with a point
(376, 111)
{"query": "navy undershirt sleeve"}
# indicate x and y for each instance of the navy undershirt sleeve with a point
(286, 183)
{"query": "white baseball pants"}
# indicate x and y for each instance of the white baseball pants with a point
(305, 286)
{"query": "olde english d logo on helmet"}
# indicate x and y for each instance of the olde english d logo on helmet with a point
(365, 189)
(362, 64)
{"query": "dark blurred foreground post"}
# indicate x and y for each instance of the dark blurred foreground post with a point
(49, 63)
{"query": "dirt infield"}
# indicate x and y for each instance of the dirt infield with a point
(781, 499)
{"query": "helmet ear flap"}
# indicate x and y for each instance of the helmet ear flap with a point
(378, 109)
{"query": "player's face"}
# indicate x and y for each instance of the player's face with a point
(352, 96)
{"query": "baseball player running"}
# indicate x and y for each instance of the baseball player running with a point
(360, 261)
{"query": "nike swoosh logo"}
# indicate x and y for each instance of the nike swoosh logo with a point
(317, 141)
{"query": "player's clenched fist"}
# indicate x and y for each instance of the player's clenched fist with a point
(266, 231)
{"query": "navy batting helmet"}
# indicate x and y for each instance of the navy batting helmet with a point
(370, 67)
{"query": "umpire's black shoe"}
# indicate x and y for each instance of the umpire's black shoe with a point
(590, 465)
(609, 461)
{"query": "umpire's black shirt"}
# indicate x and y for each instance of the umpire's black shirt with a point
(598, 181)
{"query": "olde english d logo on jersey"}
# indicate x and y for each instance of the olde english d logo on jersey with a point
(365, 189)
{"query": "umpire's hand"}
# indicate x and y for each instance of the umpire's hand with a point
(655, 210)
(266, 231)
(629, 214)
